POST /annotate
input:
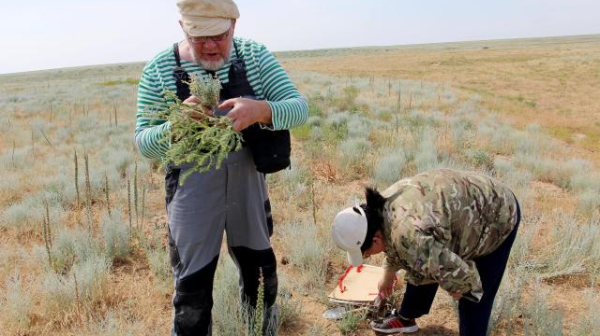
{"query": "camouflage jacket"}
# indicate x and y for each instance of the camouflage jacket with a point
(437, 222)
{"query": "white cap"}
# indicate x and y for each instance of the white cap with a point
(349, 233)
(207, 17)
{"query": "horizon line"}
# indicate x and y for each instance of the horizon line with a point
(326, 49)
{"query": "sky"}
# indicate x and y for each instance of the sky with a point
(37, 35)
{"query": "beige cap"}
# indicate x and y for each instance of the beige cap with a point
(207, 17)
(349, 232)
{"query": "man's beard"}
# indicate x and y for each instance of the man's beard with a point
(212, 65)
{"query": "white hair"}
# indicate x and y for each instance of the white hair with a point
(212, 65)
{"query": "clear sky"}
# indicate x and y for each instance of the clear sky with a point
(36, 34)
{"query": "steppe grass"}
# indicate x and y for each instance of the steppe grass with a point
(16, 305)
(117, 237)
(83, 286)
(590, 324)
(389, 166)
(431, 124)
(158, 261)
(231, 317)
(573, 248)
(540, 319)
(309, 257)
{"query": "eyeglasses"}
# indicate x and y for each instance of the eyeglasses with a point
(204, 39)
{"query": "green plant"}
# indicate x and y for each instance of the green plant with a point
(350, 322)
(196, 137)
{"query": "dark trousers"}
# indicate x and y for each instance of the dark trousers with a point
(473, 317)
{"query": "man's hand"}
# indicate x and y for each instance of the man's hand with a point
(386, 284)
(245, 112)
(196, 115)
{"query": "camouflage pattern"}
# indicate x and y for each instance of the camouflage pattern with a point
(437, 222)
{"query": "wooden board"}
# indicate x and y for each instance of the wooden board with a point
(359, 287)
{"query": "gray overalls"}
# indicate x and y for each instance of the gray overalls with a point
(232, 199)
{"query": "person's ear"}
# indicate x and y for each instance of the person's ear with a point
(379, 241)
(181, 23)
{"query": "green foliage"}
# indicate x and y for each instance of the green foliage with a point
(480, 158)
(204, 142)
(302, 133)
(256, 323)
(350, 322)
(348, 100)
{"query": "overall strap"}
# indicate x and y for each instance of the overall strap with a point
(181, 76)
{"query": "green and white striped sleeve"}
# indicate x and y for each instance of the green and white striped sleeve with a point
(289, 108)
(150, 132)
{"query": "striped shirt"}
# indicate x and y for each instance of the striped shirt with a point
(267, 78)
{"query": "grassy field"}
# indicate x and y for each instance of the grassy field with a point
(83, 226)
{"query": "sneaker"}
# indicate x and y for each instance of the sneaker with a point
(395, 324)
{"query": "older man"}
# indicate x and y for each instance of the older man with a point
(446, 228)
(233, 198)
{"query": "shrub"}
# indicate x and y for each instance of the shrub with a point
(389, 167)
(311, 255)
(353, 153)
(116, 236)
(16, 304)
(461, 132)
(588, 203)
(590, 324)
(290, 310)
(314, 121)
(480, 158)
(71, 247)
(540, 320)
(158, 260)
(575, 248)
(228, 317)
(114, 325)
(24, 215)
(508, 302)
(426, 157)
(584, 181)
(359, 127)
(350, 323)
(61, 293)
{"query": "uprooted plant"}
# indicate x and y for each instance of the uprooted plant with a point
(197, 137)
